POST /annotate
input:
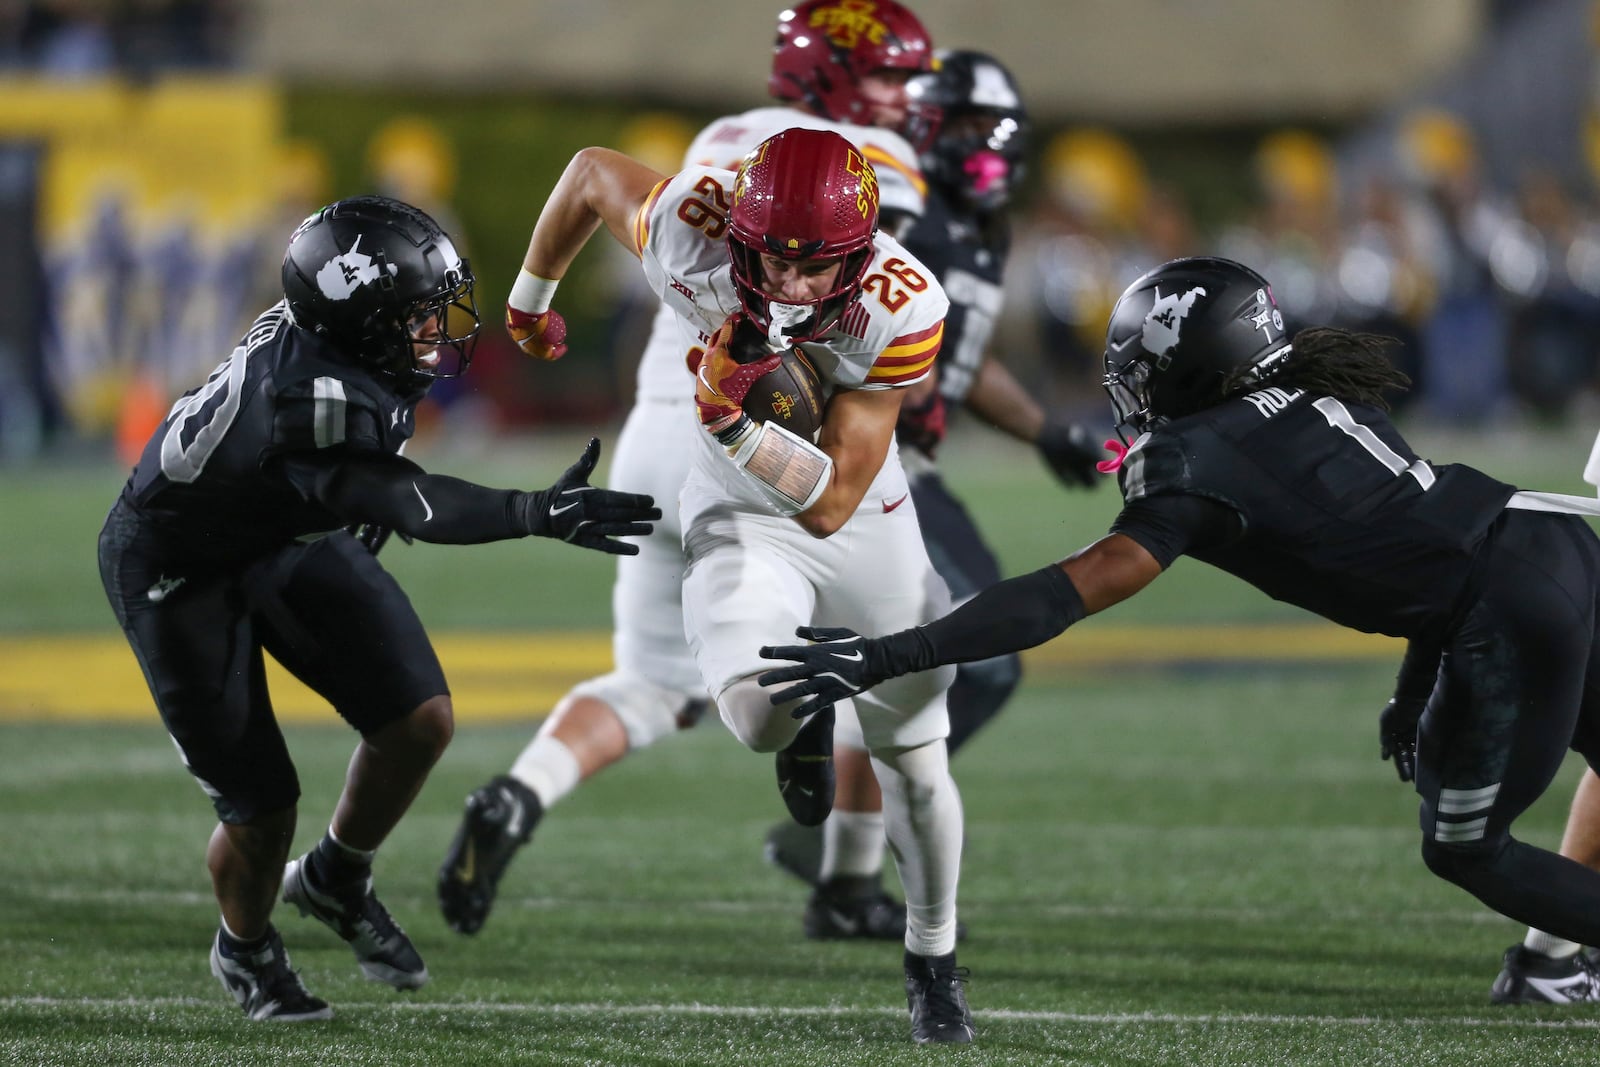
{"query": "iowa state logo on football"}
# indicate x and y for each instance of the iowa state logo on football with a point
(783, 404)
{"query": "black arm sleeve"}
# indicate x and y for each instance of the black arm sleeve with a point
(1008, 616)
(1418, 671)
(1169, 524)
(389, 490)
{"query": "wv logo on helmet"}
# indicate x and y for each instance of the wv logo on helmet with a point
(344, 274)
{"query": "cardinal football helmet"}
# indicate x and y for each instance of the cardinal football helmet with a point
(966, 119)
(825, 47)
(802, 194)
(385, 285)
(1182, 332)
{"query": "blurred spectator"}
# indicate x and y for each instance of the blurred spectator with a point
(1082, 244)
(1464, 335)
(77, 39)
(1380, 283)
(1544, 262)
(1294, 231)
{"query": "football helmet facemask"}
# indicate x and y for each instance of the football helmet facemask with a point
(802, 194)
(825, 47)
(1183, 333)
(966, 120)
(384, 284)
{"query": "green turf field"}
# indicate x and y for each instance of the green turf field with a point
(1173, 857)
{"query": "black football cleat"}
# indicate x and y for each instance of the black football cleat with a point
(937, 997)
(854, 908)
(500, 818)
(805, 770)
(264, 984)
(383, 951)
(1532, 978)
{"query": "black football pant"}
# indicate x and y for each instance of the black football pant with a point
(1519, 683)
(967, 566)
(326, 610)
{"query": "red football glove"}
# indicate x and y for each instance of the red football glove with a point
(542, 336)
(922, 427)
(722, 383)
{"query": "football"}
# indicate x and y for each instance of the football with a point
(790, 395)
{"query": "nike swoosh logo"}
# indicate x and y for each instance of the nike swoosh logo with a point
(888, 507)
(554, 511)
(467, 869)
(426, 506)
(847, 655)
(1126, 341)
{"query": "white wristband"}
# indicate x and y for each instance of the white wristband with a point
(531, 293)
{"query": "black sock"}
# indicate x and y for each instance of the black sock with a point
(851, 886)
(335, 864)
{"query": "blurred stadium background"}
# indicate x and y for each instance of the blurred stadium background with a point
(1426, 168)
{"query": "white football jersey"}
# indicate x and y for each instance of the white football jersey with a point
(662, 368)
(887, 339)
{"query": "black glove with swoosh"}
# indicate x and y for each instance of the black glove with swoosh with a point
(840, 664)
(573, 510)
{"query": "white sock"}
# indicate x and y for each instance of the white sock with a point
(922, 819)
(1557, 948)
(548, 767)
(852, 844)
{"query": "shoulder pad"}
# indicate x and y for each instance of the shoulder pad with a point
(1156, 463)
(328, 411)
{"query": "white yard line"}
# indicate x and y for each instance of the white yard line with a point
(1509, 1021)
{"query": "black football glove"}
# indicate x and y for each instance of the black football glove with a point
(1397, 735)
(1070, 452)
(573, 510)
(839, 665)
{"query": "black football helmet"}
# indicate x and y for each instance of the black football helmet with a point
(1183, 331)
(966, 120)
(385, 285)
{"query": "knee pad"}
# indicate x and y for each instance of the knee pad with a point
(747, 710)
(648, 712)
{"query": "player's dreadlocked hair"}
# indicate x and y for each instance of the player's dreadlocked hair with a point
(1347, 366)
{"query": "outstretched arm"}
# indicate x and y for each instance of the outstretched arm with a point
(598, 186)
(1012, 615)
(392, 492)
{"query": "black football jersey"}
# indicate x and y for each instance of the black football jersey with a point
(1339, 515)
(967, 252)
(203, 488)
